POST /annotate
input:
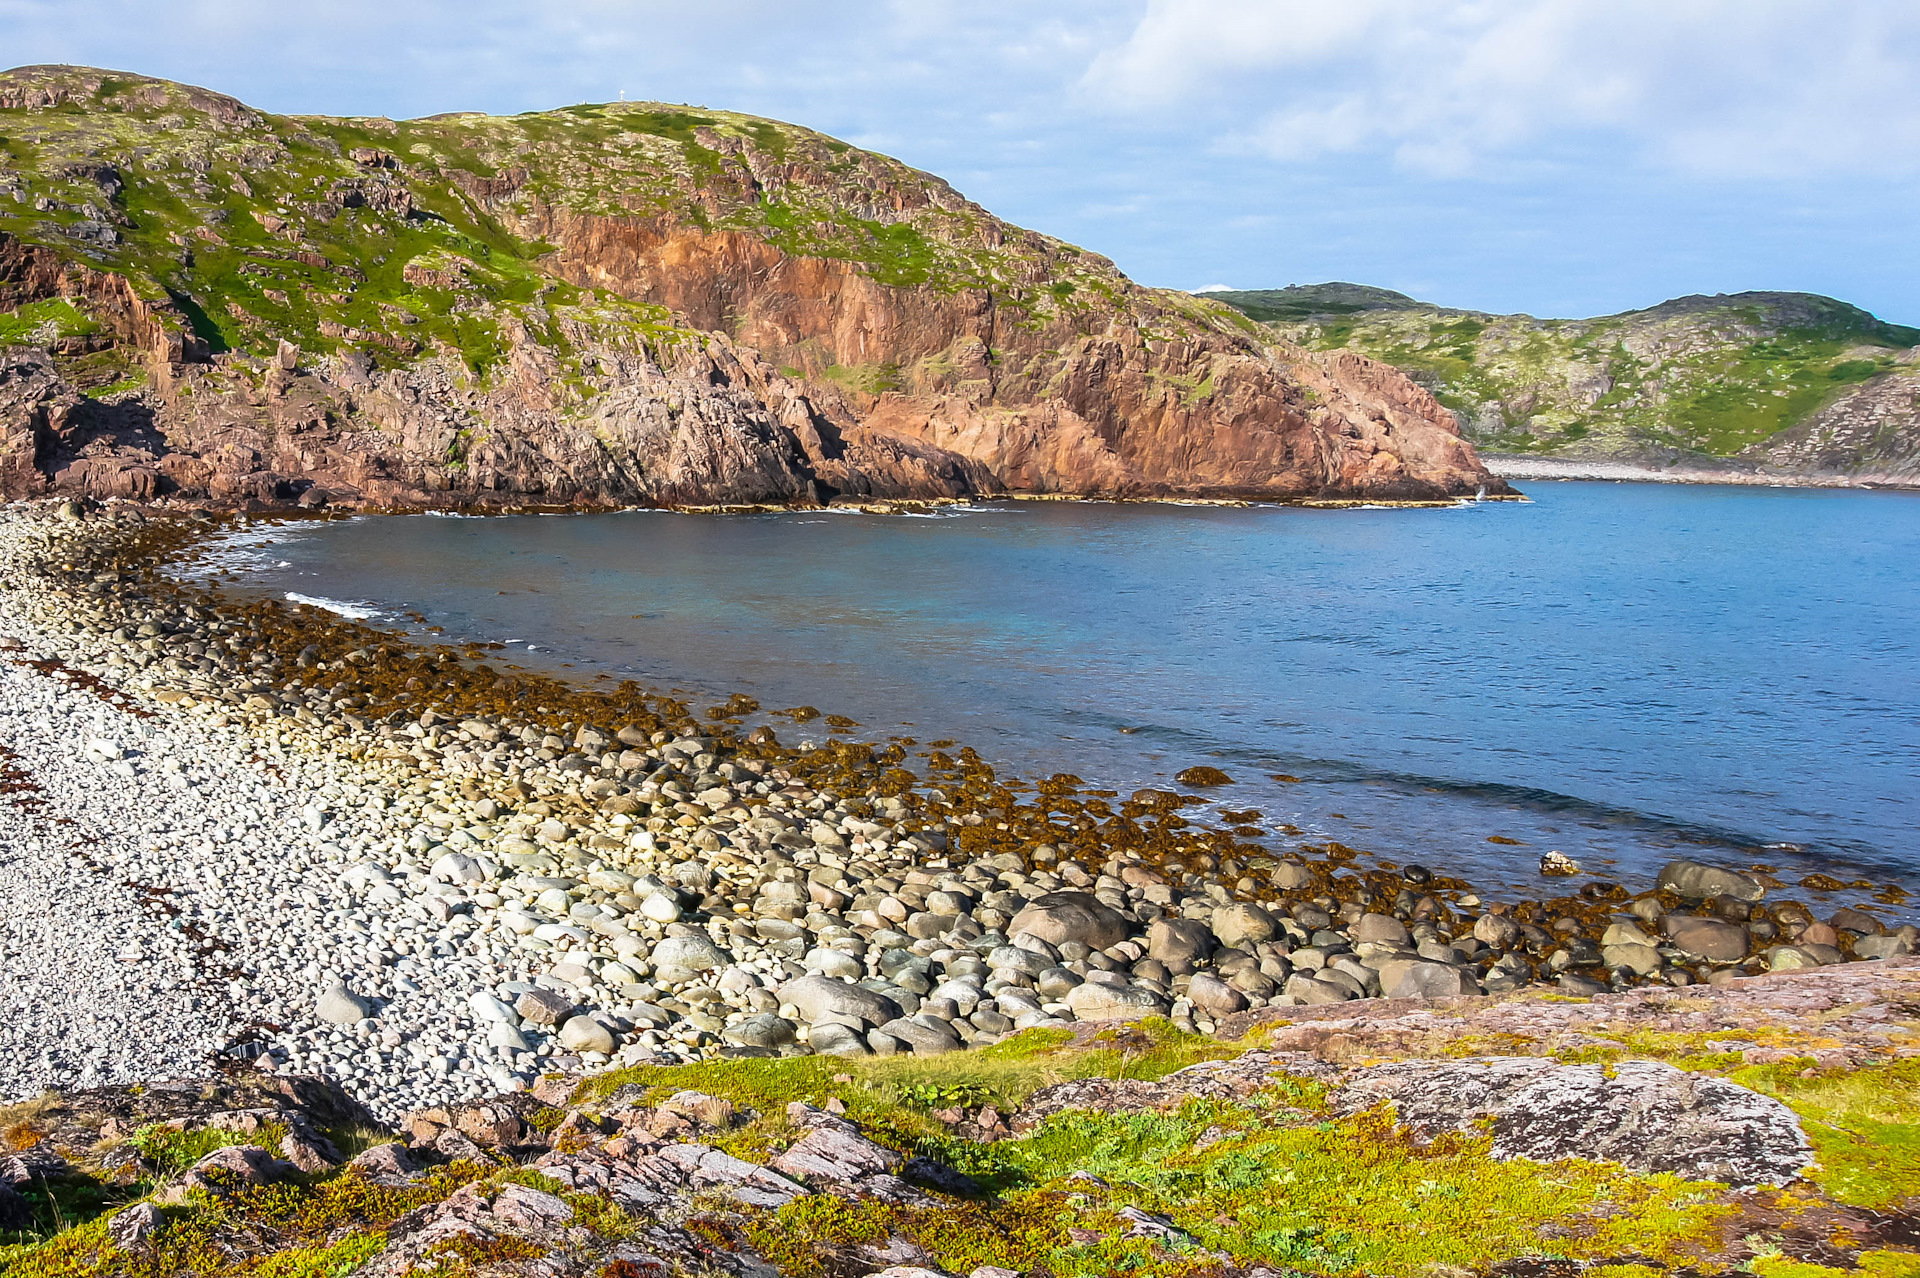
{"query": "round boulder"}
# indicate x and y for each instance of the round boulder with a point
(584, 1034)
(341, 1006)
(1241, 925)
(1698, 881)
(1173, 940)
(1713, 939)
(1059, 917)
(1095, 1001)
(818, 997)
(692, 953)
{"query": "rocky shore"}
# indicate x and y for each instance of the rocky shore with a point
(266, 837)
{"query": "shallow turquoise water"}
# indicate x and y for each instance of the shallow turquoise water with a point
(1616, 671)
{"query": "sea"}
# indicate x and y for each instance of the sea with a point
(1623, 673)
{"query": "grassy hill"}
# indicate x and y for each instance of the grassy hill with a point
(1716, 376)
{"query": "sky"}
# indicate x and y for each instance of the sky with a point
(1558, 157)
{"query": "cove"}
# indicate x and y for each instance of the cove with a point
(1621, 672)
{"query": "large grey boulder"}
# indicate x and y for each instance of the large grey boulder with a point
(1241, 925)
(1422, 978)
(1098, 1002)
(1713, 939)
(1379, 929)
(1173, 940)
(1698, 881)
(1059, 917)
(584, 1034)
(1215, 997)
(817, 997)
(1646, 1115)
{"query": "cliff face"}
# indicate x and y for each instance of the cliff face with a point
(1786, 383)
(626, 303)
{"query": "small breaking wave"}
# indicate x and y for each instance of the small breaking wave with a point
(352, 612)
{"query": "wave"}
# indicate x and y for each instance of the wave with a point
(353, 612)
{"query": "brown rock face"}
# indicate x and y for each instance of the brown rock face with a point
(1089, 404)
(613, 305)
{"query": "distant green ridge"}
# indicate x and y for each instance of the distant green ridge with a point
(1702, 375)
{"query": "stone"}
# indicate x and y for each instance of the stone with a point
(1013, 958)
(703, 1168)
(1310, 992)
(691, 953)
(16, 1213)
(501, 1034)
(488, 1008)
(1713, 939)
(925, 1039)
(340, 1006)
(1698, 881)
(1059, 917)
(1646, 1115)
(1100, 1002)
(1421, 978)
(225, 1170)
(833, 1153)
(763, 1030)
(660, 907)
(1497, 931)
(1215, 997)
(831, 1038)
(584, 1034)
(1293, 876)
(1624, 934)
(1379, 929)
(1791, 958)
(1641, 960)
(388, 1164)
(130, 1228)
(543, 1007)
(834, 963)
(1880, 947)
(1240, 925)
(819, 996)
(1558, 865)
(1178, 941)
(456, 868)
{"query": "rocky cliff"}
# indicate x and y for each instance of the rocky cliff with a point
(1788, 384)
(610, 304)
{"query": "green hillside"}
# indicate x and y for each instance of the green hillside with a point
(1700, 375)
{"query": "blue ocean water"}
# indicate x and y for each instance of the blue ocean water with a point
(1621, 672)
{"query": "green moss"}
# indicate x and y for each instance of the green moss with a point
(335, 1261)
(1871, 1264)
(172, 1151)
(43, 322)
(1864, 1125)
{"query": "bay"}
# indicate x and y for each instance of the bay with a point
(1621, 672)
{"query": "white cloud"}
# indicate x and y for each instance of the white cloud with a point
(1735, 88)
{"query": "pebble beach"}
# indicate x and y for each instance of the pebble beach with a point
(260, 837)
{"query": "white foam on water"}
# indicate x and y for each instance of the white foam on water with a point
(353, 612)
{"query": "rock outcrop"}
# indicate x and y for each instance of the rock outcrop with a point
(611, 305)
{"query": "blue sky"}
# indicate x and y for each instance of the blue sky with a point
(1563, 157)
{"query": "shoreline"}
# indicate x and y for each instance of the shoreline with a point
(1519, 467)
(513, 875)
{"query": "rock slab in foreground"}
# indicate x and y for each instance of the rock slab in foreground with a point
(1645, 1115)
